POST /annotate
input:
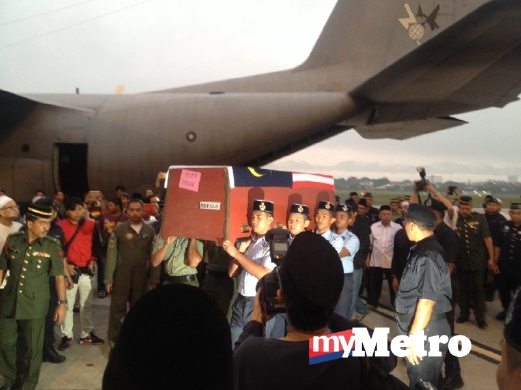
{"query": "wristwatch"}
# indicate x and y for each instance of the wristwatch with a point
(62, 302)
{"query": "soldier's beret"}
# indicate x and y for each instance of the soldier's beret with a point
(326, 205)
(297, 208)
(265, 206)
(421, 213)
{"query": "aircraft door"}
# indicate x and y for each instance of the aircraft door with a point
(70, 168)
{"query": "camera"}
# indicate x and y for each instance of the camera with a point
(451, 190)
(279, 245)
(421, 184)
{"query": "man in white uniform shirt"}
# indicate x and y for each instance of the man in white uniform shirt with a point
(380, 256)
(250, 266)
(351, 244)
(324, 219)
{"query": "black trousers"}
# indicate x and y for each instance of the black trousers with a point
(429, 368)
(220, 289)
(506, 283)
(452, 366)
(376, 275)
(472, 284)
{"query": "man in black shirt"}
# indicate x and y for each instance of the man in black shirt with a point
(372, 212)
(507, 257)
(448, 239)
(495, 220)
(423, 297)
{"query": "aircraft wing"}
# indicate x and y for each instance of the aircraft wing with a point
(407, 129)
(471, 65)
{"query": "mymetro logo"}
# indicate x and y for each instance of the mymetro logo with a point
(358, 342)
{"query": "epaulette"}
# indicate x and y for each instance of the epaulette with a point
(53, 239)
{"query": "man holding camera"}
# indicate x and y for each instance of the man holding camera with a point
(311, 280)
(82, 249)
(250, 266)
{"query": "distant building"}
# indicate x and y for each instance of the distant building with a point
(436, 179)
(512, 179)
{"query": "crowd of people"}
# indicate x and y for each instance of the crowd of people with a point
(434, 253)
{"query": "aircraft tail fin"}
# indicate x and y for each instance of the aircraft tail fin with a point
(369, 35)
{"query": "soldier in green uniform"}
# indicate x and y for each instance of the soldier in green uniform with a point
(31, 257)
(475, 254)
(127, 265)
(181, 256)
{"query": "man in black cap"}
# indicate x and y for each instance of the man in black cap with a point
(363, 210)
(250, 266)
(507, 257)
(495, 221)
(353, 197)
(372, 212)
(476, 252)
(509, 370)
(324, 219)
(448, 239)
(310, 293)
(344, 215)
(423, 297)
(298, 219)
(30, 257)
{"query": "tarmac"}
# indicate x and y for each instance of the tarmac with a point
(84, 365)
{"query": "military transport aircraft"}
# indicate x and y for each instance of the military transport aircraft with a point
(388, 69)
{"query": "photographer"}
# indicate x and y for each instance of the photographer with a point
(311, 280)
(428, 187)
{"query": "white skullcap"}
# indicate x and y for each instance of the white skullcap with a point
(4, 200)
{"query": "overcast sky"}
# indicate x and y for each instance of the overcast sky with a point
(145, 45)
